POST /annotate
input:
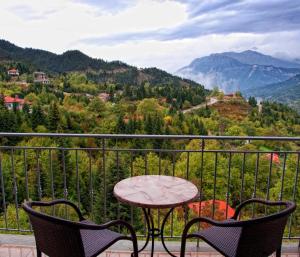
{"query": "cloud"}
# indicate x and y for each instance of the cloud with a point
(109, 6)
(167, 34)
(219, 17)
(27, 12)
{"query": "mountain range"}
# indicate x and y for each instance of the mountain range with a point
(252, 73)
(97, 70)
(243, 71)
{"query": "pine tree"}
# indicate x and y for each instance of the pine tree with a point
(252, 101)
(53, 118)
(26, 109)
(120, 126)
(2, 102)
(148, 125)
(37, 116)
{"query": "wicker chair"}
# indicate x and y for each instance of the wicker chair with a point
(257, 237)
(57, 237)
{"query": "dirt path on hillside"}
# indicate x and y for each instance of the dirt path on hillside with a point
(211, 101)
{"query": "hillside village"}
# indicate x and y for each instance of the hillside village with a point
(124, 108)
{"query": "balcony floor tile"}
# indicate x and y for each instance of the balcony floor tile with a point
(29, 251)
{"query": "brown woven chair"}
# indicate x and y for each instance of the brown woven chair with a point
(257, 237)
(57, 237)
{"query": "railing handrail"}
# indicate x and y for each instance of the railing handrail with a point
(148, 136)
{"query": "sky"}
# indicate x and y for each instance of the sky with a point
(167, 34)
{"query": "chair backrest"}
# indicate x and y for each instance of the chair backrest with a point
(263, 236)
(54, 236)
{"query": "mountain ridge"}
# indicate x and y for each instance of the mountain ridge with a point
(253, 57)
(97, 70)
(231, 72)
(287, 92)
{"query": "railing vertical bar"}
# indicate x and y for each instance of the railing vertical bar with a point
(38, 169)
(187, 165)
(118, 179)
(77, 180)
(255, 181)
(228, 183)
(186, 216)
(146, 164)
(51, 174)
(215, 181)
(15, 190)
(294, 192)
(64, 174)
(282, 177)
(3, 192)
(104, 179)
(172, 214)
(26, 174)
(159, 173)
(201, 184)
(131, 174)
(145, 173)
(201, 174)
(269, 180)
(269, 177)
(91, 193)
(159, 163)
(65, 182)
(51, 180)
(243, 177)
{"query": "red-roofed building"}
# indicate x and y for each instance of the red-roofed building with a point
(275, 158)
(220, 207)
(13, 72)
(11, 101)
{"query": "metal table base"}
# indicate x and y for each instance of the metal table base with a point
(153, 232)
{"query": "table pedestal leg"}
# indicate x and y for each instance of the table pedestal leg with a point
(147, 217)
(162, 232)
(155, 232)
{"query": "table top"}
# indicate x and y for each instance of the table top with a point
(155, 191)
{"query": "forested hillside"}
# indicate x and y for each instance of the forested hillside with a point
(287, 92)
(97, 70)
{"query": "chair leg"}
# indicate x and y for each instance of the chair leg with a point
(38, 253)
(278, 252)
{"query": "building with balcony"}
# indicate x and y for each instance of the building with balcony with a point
(40, 77)
(13, 72)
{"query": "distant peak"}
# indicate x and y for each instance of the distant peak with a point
(251, 52)
(74, 52)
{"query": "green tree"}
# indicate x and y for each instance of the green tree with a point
(97, 105)
(252, 101)
(37, 116)
(54, 117)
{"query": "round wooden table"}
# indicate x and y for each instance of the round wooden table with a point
(155, 192)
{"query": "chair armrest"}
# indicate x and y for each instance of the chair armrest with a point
(255, 200)
(59, 201)
(108, 225)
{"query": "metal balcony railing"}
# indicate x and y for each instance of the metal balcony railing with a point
(84, 168)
